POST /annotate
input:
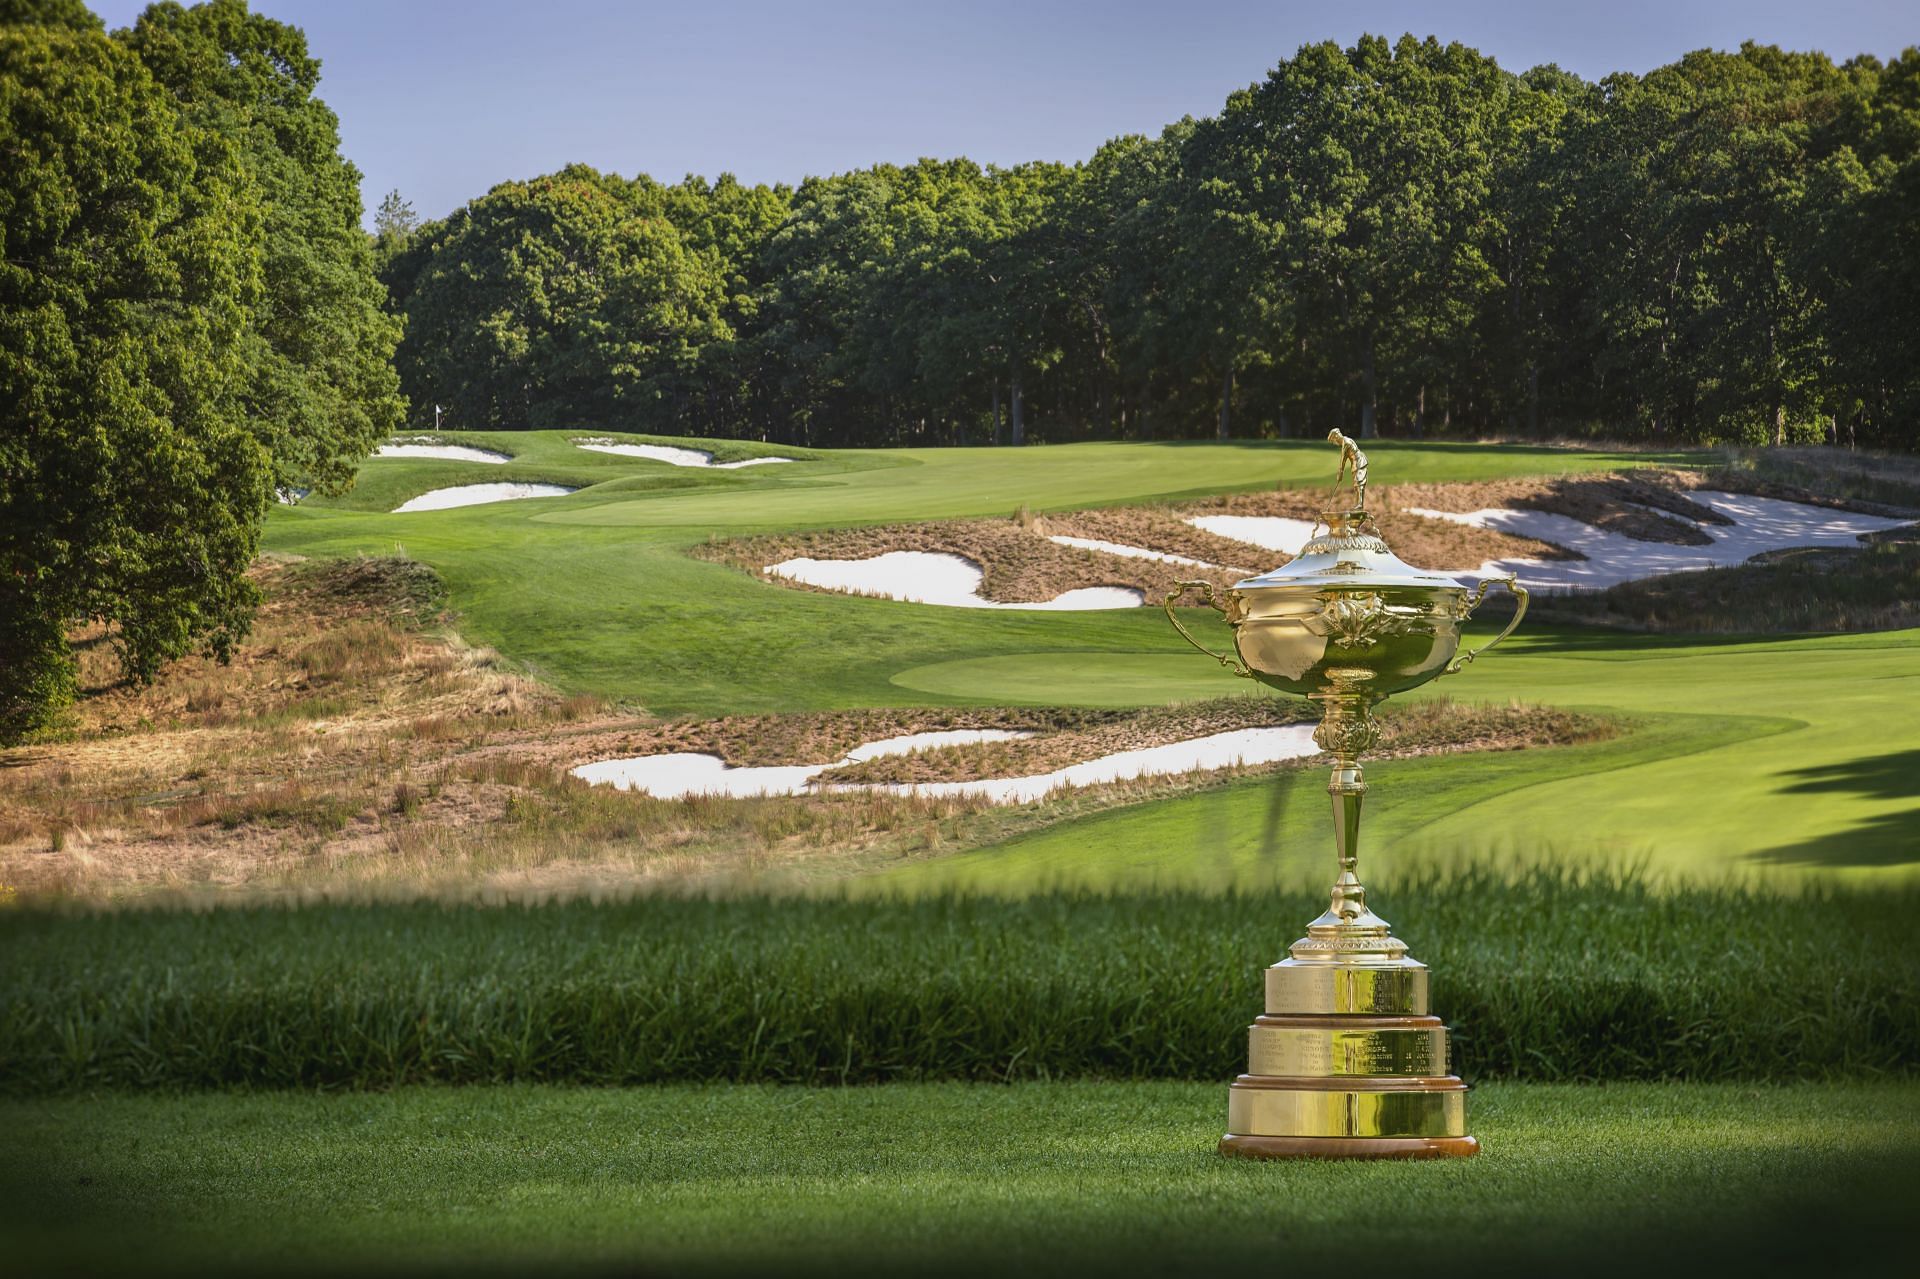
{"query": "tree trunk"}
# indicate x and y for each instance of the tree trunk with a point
(1420, 413)
(1370, 399)
(996, 411)
(1285, 431)
(1016, 419)
(1226, 405)
(1533, 400)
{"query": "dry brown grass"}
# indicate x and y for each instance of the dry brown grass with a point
(1610, 502)
(345, 693)
(1416, 539)
(355, 746)
(1020, 565)
(1869, 482)
(1416, 728)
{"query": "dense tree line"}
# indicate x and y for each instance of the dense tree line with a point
(189, 320)
(1401, 237)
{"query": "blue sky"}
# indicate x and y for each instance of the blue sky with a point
(444, 98)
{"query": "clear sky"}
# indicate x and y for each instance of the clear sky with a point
(444, 98)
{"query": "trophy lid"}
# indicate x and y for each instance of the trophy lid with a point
(1350, 554)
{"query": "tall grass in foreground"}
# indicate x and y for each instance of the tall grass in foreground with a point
(1551, 976)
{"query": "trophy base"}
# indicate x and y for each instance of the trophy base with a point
(1252, 1146)
(1347, 1062)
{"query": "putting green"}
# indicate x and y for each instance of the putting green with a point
(953, 1178)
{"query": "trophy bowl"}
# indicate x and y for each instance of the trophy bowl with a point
(1346, 616)
(1347, 1061)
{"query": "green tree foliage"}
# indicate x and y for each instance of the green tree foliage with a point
(1395, 237)
(131, 482)
(189, 320)
(1859, 248)
(568, 300)
(322, 391)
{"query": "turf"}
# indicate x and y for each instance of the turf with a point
(595, 591)
(1545, 976)
(1800, 762)
(1115, 1178)
(1804, 763)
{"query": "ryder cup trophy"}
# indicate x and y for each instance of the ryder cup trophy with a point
(1347, 1063)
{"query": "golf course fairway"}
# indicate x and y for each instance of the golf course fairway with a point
(1775, 758)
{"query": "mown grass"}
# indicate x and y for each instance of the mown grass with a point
(1546, 977)
(965, 1179)
(597, 592)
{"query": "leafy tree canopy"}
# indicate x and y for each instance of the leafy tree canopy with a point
(322, 391)
(131, 483)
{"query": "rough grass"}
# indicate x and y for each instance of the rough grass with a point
(1646, 504)
(959, 1179)
(1864, 480)
(1547, 976)
(1874, 588)
(1406, 729)
(357, 745)
(1613, 503)
(1020, 565)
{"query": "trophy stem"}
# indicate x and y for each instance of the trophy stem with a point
(1347, 729)
(1348, 787)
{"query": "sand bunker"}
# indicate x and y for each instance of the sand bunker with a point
(477, 495)
(673, 456)
(1760, 524)
(934, 577)
(445, 452)
(1130, 552)
(1273, 532)
(674, 776)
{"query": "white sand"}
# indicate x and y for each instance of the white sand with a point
(673, 776)
(478, 494)
(935, 577)
(1760, 524)
(1131, 552)
(1221, 750)
(680, 774)
(446, 452)
(1275, 532)
(673, 456)
(290, 497)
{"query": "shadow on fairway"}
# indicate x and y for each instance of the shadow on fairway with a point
(1892, 839)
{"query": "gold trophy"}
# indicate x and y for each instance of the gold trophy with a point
(1347, 1063)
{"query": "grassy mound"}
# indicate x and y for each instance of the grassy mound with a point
(1548, 977)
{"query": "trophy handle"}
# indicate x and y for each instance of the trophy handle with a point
(1519, 594)
(1232, 663)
